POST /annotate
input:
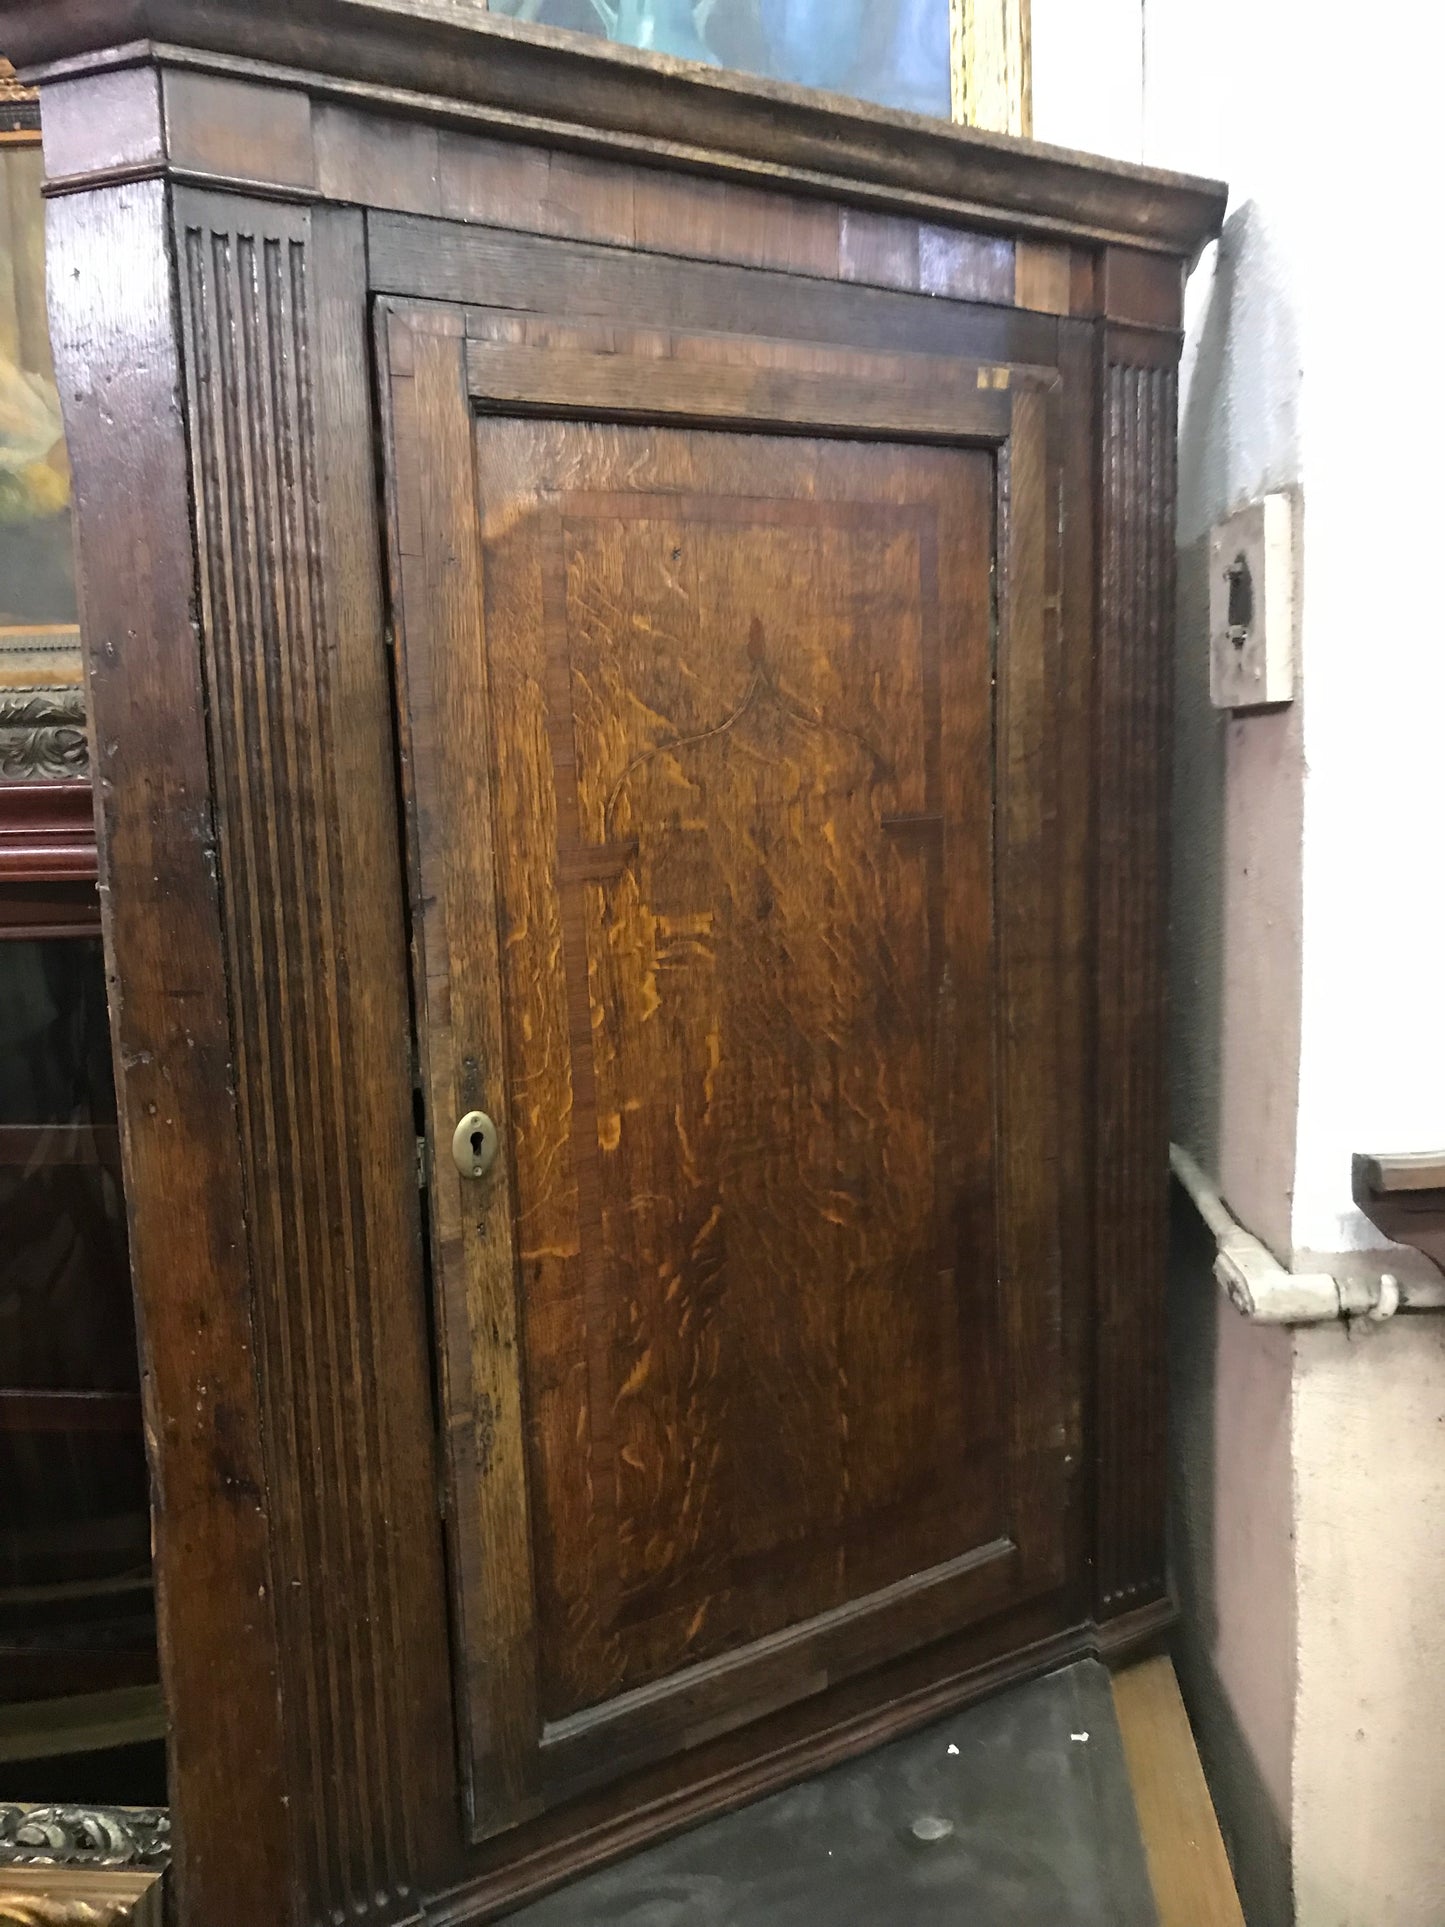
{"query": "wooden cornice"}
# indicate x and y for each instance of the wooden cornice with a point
(451, 59)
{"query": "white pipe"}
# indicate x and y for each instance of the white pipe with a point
(1267, 1291)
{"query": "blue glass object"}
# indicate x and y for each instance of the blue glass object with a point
(895, 52)
(662, 26)
(814, 42)
(916, 75)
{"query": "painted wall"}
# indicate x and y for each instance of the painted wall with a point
(1369, 1757)
(1233, 1555)
(1308, 945)
(1373, 1056)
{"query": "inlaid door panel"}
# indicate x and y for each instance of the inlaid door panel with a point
(749, 1341)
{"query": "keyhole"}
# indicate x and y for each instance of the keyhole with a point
(1241, 601)
(474, 1144)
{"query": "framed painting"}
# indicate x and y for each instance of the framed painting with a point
(42, 710)
(964, 59)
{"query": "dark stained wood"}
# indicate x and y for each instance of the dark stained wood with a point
(119, 369)
(625, 299)
(36, 1677)
(462, 65)
(47, 834)
(69, 1411)
(1083, 277)
(34, 1145)
(448, 262)
(960, 400)
(291, 630)
(218, 125)
(437, 565)
(36, 912)
(1026, 1132)
(1043, 277)
(1139, 404)
(1405, 1197)
(390, 163)
(1144, 290)
(1074, 446)
(215, 125)
(731, 1664)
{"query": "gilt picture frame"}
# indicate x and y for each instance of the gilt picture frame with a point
(42, 704)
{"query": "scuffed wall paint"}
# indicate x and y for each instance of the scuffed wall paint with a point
(1369, 1760)
(1239, 783)
(1232, 1545)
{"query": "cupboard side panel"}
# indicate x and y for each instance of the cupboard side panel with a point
(119, 370)
(1137, 505)
(274, 315)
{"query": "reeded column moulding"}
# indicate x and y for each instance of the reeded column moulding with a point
(636, 603)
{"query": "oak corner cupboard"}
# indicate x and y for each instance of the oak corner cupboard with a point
(627, 617)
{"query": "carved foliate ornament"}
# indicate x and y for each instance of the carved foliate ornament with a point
(64, 1836)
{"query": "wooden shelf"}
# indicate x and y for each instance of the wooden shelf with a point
(82, 1723)
(1403, 1193)
(47, 833)
(66, 1411)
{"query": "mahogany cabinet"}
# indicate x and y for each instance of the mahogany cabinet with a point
(627, 615)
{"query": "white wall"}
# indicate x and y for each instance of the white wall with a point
(1089, 76)
(1373, 1058)
(1369, 1758)
(1309, 908)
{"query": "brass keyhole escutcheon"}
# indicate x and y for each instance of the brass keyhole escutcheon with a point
(474, 1145)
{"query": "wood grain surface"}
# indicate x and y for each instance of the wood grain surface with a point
(291, 637)
(457, 64)
(119, 359)
(1190, 1871)
(700, 741)
(1132, 858)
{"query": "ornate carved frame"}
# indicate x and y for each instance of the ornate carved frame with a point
(70, 1866)
(47, 835)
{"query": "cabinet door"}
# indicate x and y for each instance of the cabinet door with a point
(725, 764)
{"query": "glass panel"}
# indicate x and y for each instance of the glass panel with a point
(895, 52)
(77, 1616)
(75, 1597)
